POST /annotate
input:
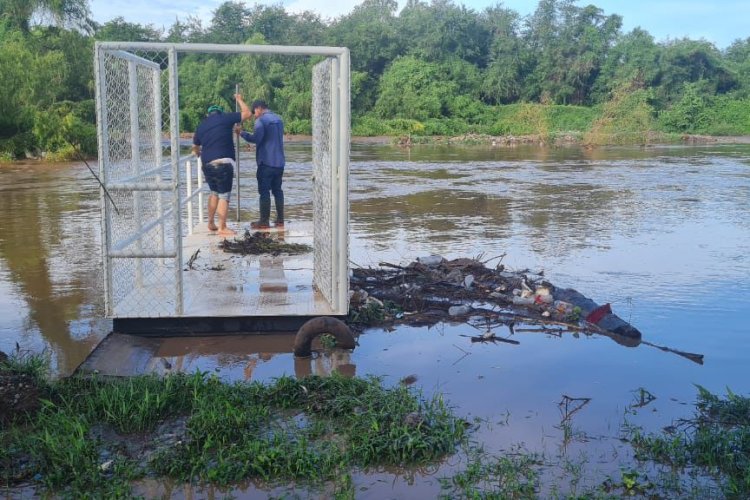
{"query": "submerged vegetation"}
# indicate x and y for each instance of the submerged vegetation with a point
(430, 69)
(716, 440)
(94, 436)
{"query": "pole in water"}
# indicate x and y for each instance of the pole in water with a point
(237, 149)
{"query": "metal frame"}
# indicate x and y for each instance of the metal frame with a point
(340, 134)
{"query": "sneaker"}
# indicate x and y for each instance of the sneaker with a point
(279, 223)
(260, 225)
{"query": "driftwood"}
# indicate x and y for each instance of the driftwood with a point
(695, 358)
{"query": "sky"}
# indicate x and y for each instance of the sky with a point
(720, 22)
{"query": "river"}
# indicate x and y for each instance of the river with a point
(661, 232)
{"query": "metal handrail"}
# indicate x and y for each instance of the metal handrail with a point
(190, 194)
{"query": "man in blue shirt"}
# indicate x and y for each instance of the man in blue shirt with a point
(213, 140)
(268, 136)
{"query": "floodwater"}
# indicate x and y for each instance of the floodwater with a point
(661, 233)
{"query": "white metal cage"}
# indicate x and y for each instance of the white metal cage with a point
(148, 186)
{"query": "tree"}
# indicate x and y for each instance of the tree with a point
(568, 45)
(633, 58)
(119, 30)
(190, 30)
(502, 82)
(19, 13)
(738, 59)
(371, 35)
(442, 29)
(229, 23)
(414, 89)
(689, 61)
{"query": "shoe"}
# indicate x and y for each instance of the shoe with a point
(260, 225)
(279, 223)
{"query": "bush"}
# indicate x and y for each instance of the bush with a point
(727, 116)
(469, 109)
(571, 118)
(298, 126)
(689, 114)
(17, 146)
(446, 126)
(627, 118)
(404, 126)
(369, 126)
(521, 119)
(62, 130)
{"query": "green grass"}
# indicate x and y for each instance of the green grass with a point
(716, 440)
(489, 477)
(94, 436)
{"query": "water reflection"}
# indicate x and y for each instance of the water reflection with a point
(230, 357)
(49, 248)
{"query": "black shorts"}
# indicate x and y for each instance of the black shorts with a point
(219, 177)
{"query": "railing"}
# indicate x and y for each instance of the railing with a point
(135, 183)
(190, 194)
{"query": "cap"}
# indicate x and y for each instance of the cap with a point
(258, 103)
(214, 109)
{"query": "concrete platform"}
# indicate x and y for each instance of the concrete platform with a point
(225, 292)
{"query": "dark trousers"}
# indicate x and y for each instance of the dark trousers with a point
(269, 181)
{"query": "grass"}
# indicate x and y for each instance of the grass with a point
(488, 477)
(95, 436)
(716, 440)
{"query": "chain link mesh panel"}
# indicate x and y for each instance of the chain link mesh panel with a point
(135, 161)
(322, 118)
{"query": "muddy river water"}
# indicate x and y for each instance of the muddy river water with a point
(661, 233)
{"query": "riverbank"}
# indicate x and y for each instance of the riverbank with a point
(559, 140)
(554, 140)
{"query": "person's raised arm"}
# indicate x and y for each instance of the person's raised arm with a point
(246, 114)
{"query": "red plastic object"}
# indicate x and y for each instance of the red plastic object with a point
(597, 314)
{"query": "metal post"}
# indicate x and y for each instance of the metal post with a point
(158, 151)
(236, 108)
(188, 194)
(103, 152)
(334, 183)
(174, 127)
(199, 168)
(343, 182)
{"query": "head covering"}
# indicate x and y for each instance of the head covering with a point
(258, 103)
(214, 109)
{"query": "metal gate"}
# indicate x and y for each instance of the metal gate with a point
(141, 230)
(330, 185)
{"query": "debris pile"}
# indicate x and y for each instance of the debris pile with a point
(262, 243)
(433, 289)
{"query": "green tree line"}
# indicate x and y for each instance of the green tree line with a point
(433, 68)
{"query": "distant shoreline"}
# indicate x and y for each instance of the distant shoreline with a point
(531, 140)
(562, 140)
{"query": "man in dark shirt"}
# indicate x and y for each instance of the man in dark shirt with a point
(213, 140)
(268, 136)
